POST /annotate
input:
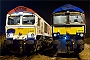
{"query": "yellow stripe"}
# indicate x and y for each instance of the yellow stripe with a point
(70, 30)
(24, 31)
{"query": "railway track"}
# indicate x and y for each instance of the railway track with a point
(65, 56)
(48, 54)
(35, 57)
(40, 56)
(17, 56)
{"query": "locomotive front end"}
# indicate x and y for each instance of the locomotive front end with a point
(20, 30)
(68, 29)
(69, 39)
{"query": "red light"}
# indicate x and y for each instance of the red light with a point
(72, 39)
(24, 39)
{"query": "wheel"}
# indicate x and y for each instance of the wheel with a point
(37, 47)
(56, 44)
(80, 45)
(55, 47)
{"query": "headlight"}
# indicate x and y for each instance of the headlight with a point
(81, 35)
(29, 35)
(10, 35)
(32, 35)
(65, 37)
(55, 35)
(78, 34)
(58, 34)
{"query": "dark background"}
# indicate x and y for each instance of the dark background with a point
(43, 8)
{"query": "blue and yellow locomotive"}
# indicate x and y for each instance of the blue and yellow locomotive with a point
(68, 28)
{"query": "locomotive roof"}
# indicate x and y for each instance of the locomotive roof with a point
(21, 9)
(68, 7)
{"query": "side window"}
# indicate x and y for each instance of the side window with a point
(38, 21)
(45, 27)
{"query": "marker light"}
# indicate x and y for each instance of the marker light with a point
(72, 39)
(32, 35)
(29, 35)
(58, 33)
(73, 42)
(55, 35)
(20, 13)
(77, 34)
(65, 37)
(81, 35)
(10, 34)
(67, 11)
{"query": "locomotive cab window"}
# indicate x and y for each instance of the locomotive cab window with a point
(77, 19)
(28, 19)
(13, 20)
(59, 19)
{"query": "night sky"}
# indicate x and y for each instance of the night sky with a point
(43, 8)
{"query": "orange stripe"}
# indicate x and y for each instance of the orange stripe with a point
(21, 8)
